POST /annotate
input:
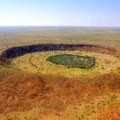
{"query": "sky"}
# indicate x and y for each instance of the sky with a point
(104, 13)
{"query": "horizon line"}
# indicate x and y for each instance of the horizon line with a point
(59, 26)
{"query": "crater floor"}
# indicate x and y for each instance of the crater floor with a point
(37, 63)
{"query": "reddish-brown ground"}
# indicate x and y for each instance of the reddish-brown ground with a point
(57, 97)
(19, 92)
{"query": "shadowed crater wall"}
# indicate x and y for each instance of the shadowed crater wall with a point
(22, 50)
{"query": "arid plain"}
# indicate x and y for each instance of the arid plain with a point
(32, 88)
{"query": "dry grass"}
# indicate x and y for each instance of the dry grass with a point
(33, 89)
(40, 97)
(37, 63)
(70, 35)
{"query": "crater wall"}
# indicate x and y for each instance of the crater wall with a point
(22, 50)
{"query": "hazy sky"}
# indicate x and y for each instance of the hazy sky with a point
(60, 12)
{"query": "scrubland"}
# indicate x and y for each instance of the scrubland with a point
(17, 36)
(32, 88)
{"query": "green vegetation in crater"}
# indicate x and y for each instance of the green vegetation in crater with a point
(72, 61)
